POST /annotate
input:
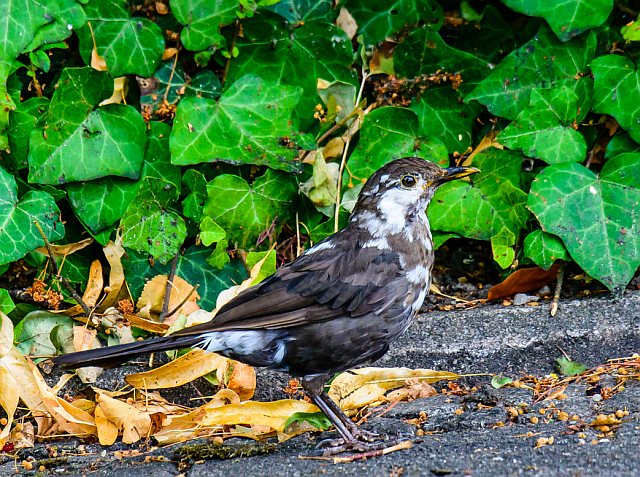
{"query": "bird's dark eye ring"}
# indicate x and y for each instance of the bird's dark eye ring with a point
(408, 181)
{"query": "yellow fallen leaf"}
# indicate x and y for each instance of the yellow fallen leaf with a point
(367, 386)
(116, 290)
(242, 379)
(273, 414)
(69, 418)
(9, 398)
(120, 91)
(179, 428)
(134, 423)
(66, 249)
(107, 430)
(153, 295)
(147, 325)
(196, 363)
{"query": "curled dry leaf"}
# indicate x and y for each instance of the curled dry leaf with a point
(116, 291)
(83, 339)
(523, 280)
(182, 427)
(367, 386)
(273, 414)
(66, 249)
(153, 296)
(132, 422)
(195, 364)
(147, 325)
(120, 90)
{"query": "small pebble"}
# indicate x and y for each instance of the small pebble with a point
(545, 290)
(597, 397)
(522, 299)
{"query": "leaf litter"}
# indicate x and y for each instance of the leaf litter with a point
(139, 412)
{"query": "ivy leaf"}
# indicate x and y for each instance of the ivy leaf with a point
(444, 117)
(28, 115)
(316, 419)
(193, 267)
(101, 203)
(616, 91)
(210, 232)
(6, 303)
(493, 208)
(34, 333)
(80, 143)
(568, 367)
(390, 133)
(597, 217)
(300, 11)
(425, 52)
(244, 210)
(18, 234)
(128, 45)
(541, 130)
(202, 20)
(507, 90)
(246, 126)
(193, 203)
(567, 18)
(296, 55)
(379, 20)
(25, 26)
(631, 32)
(544, 249)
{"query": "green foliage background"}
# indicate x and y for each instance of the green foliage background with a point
(228, 132)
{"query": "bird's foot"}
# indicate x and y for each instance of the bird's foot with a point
(362, 442)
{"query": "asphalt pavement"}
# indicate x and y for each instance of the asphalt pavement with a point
(487, 432)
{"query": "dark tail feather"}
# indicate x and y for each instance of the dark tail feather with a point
(111, 356)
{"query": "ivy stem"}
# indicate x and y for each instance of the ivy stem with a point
(227, 65)
(343, 161)
(556, 295)
(56, 271)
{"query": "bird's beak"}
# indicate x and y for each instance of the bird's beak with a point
(452, 173)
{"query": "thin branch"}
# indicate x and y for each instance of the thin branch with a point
(167, 290)
(343, 161)
(556, 295)
(227, 65)
(56, 271)
(193, 290)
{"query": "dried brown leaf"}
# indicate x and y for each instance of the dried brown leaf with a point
(523, 280)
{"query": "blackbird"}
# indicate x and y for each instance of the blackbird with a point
(339, 304)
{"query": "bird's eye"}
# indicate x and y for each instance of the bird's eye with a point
(408, 181)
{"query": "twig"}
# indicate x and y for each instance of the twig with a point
(556, 295)
(193, 290)
(56, 271)
(233, 46)
(167, 290)
(173, 70)
(343, 162)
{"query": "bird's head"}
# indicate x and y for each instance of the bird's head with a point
(402, 189)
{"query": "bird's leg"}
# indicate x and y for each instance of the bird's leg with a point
(352, 438)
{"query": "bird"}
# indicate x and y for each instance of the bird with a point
(339, 304)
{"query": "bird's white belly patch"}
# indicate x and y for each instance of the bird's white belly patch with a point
(418, 275)
(242, 342)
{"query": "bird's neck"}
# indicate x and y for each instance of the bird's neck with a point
(385, 221)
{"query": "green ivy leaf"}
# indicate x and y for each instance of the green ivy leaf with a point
(317, 419)
(295, 55)
(18, 234)
(193, 267)
(268, 267)
(444, 117)
(101, 203)
(616, 91)
(631, 32)
(597, 217)
(6, 303)
(210, 232)
(493, 208)
(299, 11)
(507, 90)
(379, 20)
(425, 52)
(542, 129)
(24, 26)
(244, 210)
(34, 332)
(28, 115)
(499, 381)
(128, 45)
(245, 126)
(202, 20)
(567, 18)
(568, 367)
(193, 203)
(390, 133)
(544, 249)
(80, 143)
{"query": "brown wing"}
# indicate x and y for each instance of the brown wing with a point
(318, 286)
